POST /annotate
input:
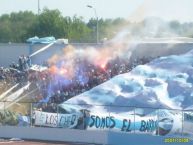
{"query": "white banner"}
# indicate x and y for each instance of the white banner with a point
(55, 120)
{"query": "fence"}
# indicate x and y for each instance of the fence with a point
(123, 119)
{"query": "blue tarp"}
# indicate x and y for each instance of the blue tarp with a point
(44, 40)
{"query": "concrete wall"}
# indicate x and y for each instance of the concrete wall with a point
(10, 52)
(117, 138)
(54, 134)
(83, 136)
(161, 49)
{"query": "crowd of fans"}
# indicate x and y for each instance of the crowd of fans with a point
(16, 73)
(55, 87)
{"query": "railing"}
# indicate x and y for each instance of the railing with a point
(123, 119)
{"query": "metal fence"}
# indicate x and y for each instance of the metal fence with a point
(123, 119)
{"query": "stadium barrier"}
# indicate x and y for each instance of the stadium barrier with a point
(100, 124)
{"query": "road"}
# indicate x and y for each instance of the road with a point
(8, 142)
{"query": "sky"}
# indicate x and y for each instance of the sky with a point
(133, 10)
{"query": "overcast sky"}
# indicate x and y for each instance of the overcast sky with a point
(134, 10)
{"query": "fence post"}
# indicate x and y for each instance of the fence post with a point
(109, 115)
(57, 116)
(41, 124)
(134, 119)
(84, 117)
(182, 122)
(158, 122)
(31, 114)
(4, 112)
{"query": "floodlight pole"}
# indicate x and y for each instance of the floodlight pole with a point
(38, 7)
(97, 30)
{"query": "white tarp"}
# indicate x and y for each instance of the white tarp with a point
(55, 120)
(38, 68)
(16, 94)
(42, 49)
(8, 91)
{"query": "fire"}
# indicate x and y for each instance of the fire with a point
(63, 71)
(103, 66)
(53, 69)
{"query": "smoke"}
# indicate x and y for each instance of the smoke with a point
(73, 57)
(118, 47)
(121, 46)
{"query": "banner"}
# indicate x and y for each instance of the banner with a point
(128, 123)
(55, 120)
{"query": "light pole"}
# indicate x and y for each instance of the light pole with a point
(97, 30)
(38, 7)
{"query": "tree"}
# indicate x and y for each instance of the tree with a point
(175, 27)
(78, 31)
(5, 31)
(49, 23)
(20, 23)
(19, 26)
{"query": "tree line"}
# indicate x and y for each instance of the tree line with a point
(19, 26)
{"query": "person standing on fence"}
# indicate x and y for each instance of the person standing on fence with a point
(20, 63)
(28, 61)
